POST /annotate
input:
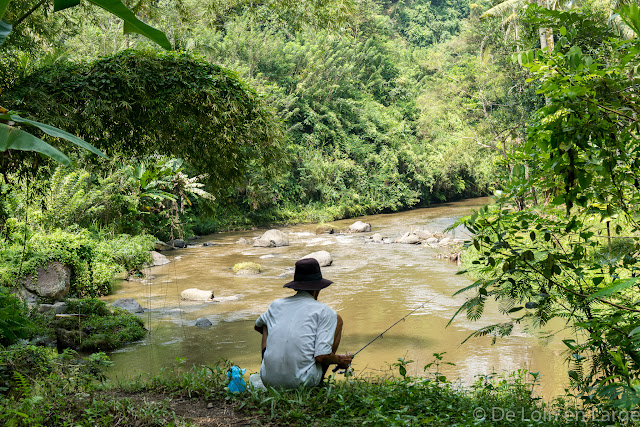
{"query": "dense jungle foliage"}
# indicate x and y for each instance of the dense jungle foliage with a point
(280, 111)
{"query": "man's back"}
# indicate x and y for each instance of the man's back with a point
(299, 329)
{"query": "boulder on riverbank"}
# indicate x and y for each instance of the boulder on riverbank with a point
(323, 257)
(57, 308)
(50, 281)
(162, 246)
(359, 227)
(195, 294)
(157, 259)
(272, 239)
(177, 243)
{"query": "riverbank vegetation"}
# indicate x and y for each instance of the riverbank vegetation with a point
(281, 112)
(198, 396)
(562, 239)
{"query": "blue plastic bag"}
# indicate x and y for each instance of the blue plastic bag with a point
(236, 383)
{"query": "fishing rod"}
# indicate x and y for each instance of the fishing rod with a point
(385, 331)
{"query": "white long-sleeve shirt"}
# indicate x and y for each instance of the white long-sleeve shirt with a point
(299, 329)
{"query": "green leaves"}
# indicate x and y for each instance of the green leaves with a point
(59, 5)
(12, 138)
(131, 23)
(5, 30)
(630, 14)
(526, 58)
(192, 109)
(3, 7)
(53, 131)
(615, 287)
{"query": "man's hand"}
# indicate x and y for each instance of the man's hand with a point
(344, 360)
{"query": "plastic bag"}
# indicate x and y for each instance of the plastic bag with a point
(236, 382)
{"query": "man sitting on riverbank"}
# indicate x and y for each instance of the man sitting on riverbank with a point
(300, 335)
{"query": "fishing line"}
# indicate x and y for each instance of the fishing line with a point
(386, 330)
(399, 320)
(175, 278)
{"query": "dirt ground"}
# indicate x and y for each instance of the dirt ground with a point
(199, 411)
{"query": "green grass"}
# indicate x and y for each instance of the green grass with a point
(73, 397)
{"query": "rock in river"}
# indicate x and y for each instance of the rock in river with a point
(323, 258)
(359, 227)
(128, 304)
(247, 268)
(195, 294)
(157, 259)
(409, 238)
(272, 239)
(203, 322)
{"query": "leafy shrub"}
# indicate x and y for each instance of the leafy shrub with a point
(14, 323)
(27, 360)
(176, 104)
(77, 197)
(101, 329)
(94, 263)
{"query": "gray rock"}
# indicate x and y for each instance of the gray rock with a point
(242, 241)
(52, 281)
(432, 240)
(26, 296)
(409, 238)
(44, 341)
(56, 308)
(203, 322)
(195, 294)
(41, 308)
(323, 257)
(60, 307)
(161, 246)
(272, 239)
(325, 229)
(444, 242)
(209, 244)
(423, 234)
(177, 243)
(359, 227)
(128, 304)
(377, 238)
(157, 259)
(247, 269)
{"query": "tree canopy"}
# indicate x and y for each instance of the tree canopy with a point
(140, 103)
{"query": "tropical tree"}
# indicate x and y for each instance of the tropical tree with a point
(579, 259)
(15, 138)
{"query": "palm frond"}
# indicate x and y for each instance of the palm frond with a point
(506, 7)
(498, 330)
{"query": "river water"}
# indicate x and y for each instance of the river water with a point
(374, 286)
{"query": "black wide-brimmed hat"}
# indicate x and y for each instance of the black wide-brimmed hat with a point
(307, 276)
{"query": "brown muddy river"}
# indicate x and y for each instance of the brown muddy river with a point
(374, 286)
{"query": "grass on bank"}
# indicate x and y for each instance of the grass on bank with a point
(69, 395)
